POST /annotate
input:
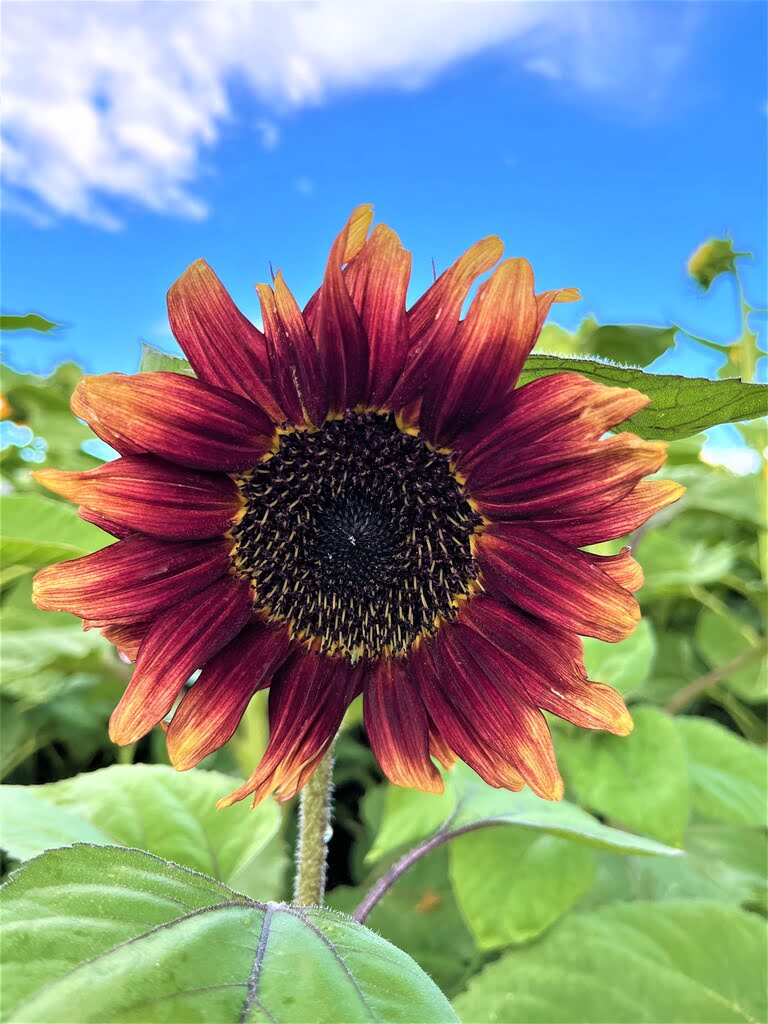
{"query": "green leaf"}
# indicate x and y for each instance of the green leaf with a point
(419, 915)
(639, 781)
(106, 934)
(624, 666)
(38, 531)
(725, 863)
(673, 561)
(469, 803)
(149, 807)
(691, 962)
(679, 407)
(42, 405)
(722, 638)
(714, 257)
(629, 343)
(410, 816)
(154, 359)
(715, 489)
(29, 322)
(513, 883)
(729, 777)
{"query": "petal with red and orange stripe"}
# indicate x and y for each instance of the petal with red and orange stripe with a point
(223, 346)
(572, 478)
(297, 367)
(181, 640)
(210, 712)
(147, 494)
(398, 727)
(460, 720)
(88, 515)
(180, 418)
(132, 580)
(377, 280)
(520, 732)
(336, 324)
(126, 637)
(488, 351)
(434, 318)
(595, 525)
(308, 698)
(553, 581)
(562, 407)
(548, 663)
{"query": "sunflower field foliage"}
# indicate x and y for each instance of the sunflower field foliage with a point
(640, 896)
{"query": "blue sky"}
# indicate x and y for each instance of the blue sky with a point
(601, 141)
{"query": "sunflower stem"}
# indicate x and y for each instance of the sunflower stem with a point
(314, 825)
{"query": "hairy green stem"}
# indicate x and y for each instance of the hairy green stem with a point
(312, 844)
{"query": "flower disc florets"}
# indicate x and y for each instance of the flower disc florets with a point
(357, 535)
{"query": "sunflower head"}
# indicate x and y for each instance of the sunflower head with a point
(358, 498)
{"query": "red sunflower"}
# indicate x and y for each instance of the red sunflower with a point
(358, 499)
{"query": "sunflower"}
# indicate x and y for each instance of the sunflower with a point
(358, 499)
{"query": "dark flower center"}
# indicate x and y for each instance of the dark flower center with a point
(357, 535)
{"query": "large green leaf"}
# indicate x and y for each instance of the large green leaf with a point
(681, 962)
(419, 915)
(725, 863)
(639, 781)
(729, 777)
(513, 883)
(106, 934)
(149, 807)
(469, 803)
(36, 531)
(679, 407)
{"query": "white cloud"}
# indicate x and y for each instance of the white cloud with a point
(112, 102)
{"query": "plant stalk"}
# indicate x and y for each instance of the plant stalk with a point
(312, 845)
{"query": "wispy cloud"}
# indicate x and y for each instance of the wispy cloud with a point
(113, 102)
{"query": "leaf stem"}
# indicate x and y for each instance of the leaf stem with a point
(312, 845)
(693, 690)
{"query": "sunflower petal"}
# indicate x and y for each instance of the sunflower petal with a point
(521, 732)
(107, 525)
(147, 494)
(210, 712)
(593, 526)
(398, 728)
(489, 349)
(377, 280)
(549, 664)
(297, 362)
(307, 701)
(180, 641)
(131, 580)
(223, 347)
(341, 337)
(127, 638)
(554, 581)
(569, 479)
(546, 300)
(433, 319)
(177, 417)
(563, 406)
(621, 567)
